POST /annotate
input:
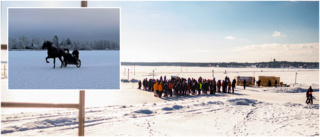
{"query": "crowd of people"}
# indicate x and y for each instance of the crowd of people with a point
(183, 87)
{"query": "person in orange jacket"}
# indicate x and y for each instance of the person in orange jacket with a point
(155, 88)
(229, 87)
(219, 85)
(160, 89)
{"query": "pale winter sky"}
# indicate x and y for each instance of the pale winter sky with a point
(73, 23)
(208, 31)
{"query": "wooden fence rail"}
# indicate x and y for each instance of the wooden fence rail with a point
(37, 105)
(79, 106)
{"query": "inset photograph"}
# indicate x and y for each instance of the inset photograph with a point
(64, 48)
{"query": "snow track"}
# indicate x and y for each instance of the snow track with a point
(237, 116)
(99, 70)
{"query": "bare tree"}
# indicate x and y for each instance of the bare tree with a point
(56, 41)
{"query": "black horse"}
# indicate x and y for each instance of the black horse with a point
(53, 53)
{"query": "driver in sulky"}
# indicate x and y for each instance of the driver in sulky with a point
(75, 53)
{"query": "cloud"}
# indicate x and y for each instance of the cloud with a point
(287, 52)
(278, 34)
(229, 37)
(203, 51)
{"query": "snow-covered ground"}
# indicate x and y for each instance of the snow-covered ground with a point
(29, 70)
(4, 55)
(255, 111)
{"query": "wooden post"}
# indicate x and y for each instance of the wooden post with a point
(212, 73)
(81, 112)
(295, 81)
(128, 73)
(254, 78)
(4, 71)
(81, 98)
(84, 4)
(134, 69)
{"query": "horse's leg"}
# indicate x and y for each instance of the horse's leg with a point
(54, 62)
(60, 61)
(47, 59)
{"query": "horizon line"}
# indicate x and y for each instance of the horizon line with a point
(220, 62)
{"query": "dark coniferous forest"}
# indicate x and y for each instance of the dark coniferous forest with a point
(23, 42)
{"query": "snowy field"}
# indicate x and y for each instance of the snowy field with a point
(29, 70)
(255, 111)
(4, 55)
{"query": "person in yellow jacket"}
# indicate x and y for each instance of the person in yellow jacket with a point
(155, 88)
(199, 87)
(160, 89)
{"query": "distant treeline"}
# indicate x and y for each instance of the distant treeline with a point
(274, 64)
(35, 44)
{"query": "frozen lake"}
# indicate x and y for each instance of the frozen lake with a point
(133, 112)
(128, 94)
(99, 70)
(287, 76)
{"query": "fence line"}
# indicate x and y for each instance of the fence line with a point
(37, 105)
(231, 71)
(79, 106)
(4, 72)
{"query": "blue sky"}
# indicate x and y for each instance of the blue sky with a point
(211, 31)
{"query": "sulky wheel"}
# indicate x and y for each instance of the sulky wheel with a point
(78, 63)
(64, 64)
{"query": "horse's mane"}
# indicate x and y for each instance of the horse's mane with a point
(51, 49)
(47, 44)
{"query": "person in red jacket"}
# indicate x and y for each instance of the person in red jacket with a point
(170, 88)
(188, 89)
(229, 87)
